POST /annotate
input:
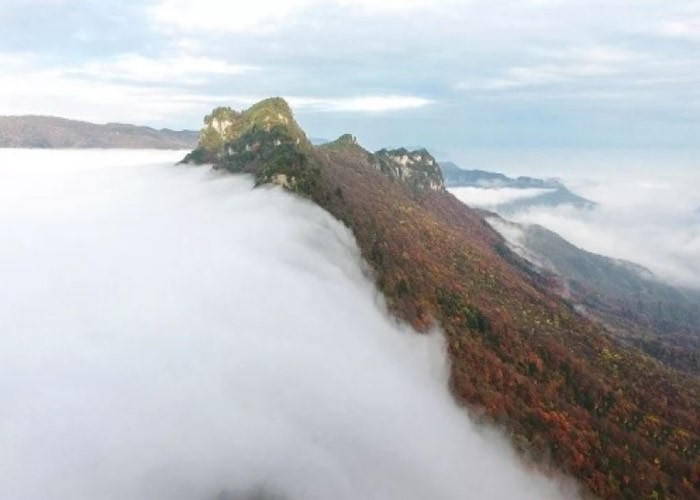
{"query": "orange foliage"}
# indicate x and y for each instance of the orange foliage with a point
(623, 424)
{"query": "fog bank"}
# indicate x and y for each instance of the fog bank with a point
(173, 334)
(493, 197)
(647, 204)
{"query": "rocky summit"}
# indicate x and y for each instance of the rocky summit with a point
(266, 141)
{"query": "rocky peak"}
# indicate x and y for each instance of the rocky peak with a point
(417, 168)
(266, 141)
(263, 140)
(221, 120)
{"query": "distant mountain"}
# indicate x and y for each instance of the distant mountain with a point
(661, 319)
(556, 194)
(569, 391)
(52, 132)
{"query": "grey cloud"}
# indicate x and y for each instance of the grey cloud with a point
(490, 64)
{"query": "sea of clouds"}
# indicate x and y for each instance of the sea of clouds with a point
(647, 208)
(170, 333)
(491, 198)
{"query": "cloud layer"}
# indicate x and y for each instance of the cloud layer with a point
(172, 334)
(491, 198)
(645, 214)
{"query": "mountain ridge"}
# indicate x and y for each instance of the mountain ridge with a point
(558, 194)
(48, 132)
(619, 421)
(266, 140)
(660, 319)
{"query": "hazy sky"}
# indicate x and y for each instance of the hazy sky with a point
(446, 74)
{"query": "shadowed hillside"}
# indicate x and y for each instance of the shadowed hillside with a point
(568, 392)
(662, 320)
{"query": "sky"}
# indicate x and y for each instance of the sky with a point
(267, 361)
(450, 75)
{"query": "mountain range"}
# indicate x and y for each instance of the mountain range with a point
(555, 193)
(573, 395)
(53, 132)
(661, 319)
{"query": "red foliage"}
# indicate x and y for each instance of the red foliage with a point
(622, 423)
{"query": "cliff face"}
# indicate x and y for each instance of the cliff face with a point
(52, 132)
(622, 423)
(418, 168)
(264, 141)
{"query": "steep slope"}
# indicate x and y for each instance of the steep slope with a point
(52, 132)
(566, 390)
(556, 193)
(662, 320)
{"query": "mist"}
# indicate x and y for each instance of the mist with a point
(646, 205)
(493, 197)
(170, 333)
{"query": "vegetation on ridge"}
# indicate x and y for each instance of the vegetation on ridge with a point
(264, 141)
(660, 319)
(619, 421)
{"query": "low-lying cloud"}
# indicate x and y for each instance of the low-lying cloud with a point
(492, 197)
(646, 210)
(173, 334)
(668, 246)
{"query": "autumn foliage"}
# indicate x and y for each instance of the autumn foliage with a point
(617, 420)
(568, 393)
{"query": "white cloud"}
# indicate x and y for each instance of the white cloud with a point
(36, 3)
(372, 6)
(180, 69)
(136, 89)
(129, 88)
(670, 248)
(493, 197)
(54, 92)
(563, 66)
(645, 212)
(376, 54)
(225, 15)
(263, 16)
(682, 28)
(354, 104)
(196, 335)
(360, 103)
(12, 58)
